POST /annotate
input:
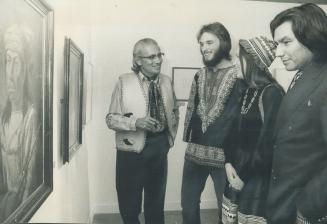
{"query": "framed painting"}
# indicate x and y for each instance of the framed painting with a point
(26, 80)
(182, 81)
(72, 117)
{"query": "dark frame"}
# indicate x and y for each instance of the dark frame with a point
(28, 206)
(69, 148)
(183, 87)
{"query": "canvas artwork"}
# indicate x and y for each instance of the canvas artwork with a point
(26, 58)
(72, 117)
(182, 81)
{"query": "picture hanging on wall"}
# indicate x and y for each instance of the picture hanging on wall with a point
(182, 81)
(26, 89)
(72, 108)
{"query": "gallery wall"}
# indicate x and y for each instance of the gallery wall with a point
(69, 201)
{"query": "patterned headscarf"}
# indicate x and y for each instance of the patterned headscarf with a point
(261, 49)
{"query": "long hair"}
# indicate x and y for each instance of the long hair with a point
(309, 25)
(139, 45)
(220, 31)
(253, 75)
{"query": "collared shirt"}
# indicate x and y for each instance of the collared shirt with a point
(297, 75)
(115, 118)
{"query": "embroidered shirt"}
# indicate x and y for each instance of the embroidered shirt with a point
(210, 115)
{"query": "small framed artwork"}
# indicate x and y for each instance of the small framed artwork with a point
(88, 93)
(72, 110)
(182, 81)
(26, 91)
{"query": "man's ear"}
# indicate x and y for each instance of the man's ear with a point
(138, 61)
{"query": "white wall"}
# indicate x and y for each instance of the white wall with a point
(69, 201)
(174, 24)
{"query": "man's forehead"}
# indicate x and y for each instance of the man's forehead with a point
(284, 31)
(207, 36)
(150, 48)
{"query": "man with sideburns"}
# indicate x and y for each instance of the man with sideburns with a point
(298, 184)
(144, 113)
(211, 111)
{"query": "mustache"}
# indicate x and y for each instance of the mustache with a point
(217, 57)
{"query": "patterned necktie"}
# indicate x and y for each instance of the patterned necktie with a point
(153, 102)
(156, 106)
(295, 78)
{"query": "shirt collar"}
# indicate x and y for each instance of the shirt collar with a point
(216, 70)
(145, 79)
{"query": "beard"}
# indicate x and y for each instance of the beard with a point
(217, 57)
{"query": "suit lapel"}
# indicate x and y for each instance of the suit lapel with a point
(304, 86)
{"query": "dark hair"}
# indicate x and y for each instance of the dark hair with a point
(309, 25)
(253, 75)
(139, 45)
(222, 34)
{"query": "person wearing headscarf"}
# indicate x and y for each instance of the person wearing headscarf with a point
(249, 148)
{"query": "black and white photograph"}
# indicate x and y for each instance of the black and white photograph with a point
(163, 112)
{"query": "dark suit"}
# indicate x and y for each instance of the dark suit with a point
(299, 172)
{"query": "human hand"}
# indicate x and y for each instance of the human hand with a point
(233, 178)
(147, 124)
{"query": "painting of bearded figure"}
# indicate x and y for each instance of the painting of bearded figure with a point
(26, 40)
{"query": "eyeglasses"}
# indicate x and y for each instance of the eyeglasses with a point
(154, 56)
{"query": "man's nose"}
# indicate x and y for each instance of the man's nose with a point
(204, 47)
(157, 60)
(279, 51)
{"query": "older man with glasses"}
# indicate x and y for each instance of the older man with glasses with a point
(144, 113)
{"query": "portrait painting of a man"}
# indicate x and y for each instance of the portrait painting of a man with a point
(22, 100)
(19, 125)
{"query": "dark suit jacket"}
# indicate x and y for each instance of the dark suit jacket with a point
(299, 171)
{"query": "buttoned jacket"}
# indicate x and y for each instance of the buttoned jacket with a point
(299, 172)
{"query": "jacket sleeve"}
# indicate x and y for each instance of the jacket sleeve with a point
(231, 142)
(314, 194)
(116, 119)
(271, 99)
